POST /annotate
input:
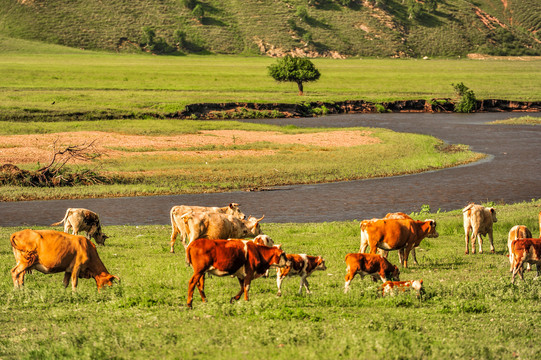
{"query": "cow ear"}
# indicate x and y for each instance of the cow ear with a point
(492, 210)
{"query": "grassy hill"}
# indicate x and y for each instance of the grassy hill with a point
(396, 28)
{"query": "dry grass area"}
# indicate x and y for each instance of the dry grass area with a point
(25, 149)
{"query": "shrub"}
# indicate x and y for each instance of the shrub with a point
(467, 102)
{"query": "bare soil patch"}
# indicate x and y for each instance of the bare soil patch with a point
(25, 149)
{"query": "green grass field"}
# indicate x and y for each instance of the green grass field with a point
(65, 84)
(470, 310)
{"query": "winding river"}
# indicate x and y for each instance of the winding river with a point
(511, 173)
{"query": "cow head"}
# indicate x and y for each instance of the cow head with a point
(493, 213)
(393, 273)
(432, 233)
(105, 279)
(320, 264)
(279, 258)
(100, 237)
(233, 209)
(252, 224)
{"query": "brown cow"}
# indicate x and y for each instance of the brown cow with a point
(83, 220)
(179, 226)
(478, 219)
(517, 232)
(302, 265)
(396, 234)
(369, 264)
(391, 287)
(219, 226)
(241, 258)
(403, 216)
(525, 251)
(50, 251)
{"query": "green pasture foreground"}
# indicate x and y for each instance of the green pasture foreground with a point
(470, 311)
(54, 81)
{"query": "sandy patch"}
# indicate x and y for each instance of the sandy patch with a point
(21, 149)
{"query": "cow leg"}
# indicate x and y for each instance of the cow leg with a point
(236, 297)
(66, 280)
(75, 277)
(17, 274)
(491, 238)
(383, 253)
(467, 239)
(174, 234)
(401, 257)
(414, 257)
(349, 276)
(480, 241)
(279, 280)
(191, 285)
(304, 282)
(364, 245)
(406, 254)
(201, 288)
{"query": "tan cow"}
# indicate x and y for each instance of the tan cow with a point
(79, 219)
(50, 251)
(240, 258)
(396, 234)
(517, 232)
(302, 265)
(219, 226)
(525, 251)
(369, 264)
(179, 226)
(478, 219)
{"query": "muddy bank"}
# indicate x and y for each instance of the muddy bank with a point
(279, 110)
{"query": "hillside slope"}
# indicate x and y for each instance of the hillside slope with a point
(275, 27)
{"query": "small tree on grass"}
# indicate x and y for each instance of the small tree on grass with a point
(298, 70)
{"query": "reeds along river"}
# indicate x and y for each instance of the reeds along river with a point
(510, 174)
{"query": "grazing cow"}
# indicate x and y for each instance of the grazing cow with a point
(478, 219)
(241, 258)
(525, 251)
(396, 234)
(179, 226)
(83, 220)
(219, 226)
(517, 232)
(391, 287)
(50, 251)
(302, 265)
(369, 264)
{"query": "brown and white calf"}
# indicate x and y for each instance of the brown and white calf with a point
(83, 220)
(525, 251)
(302, 265)
(369, 264)
(517, 232)
(392, 287)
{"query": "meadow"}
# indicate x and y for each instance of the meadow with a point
(56, 83)
(470, 309)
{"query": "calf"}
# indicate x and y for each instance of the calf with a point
(517, 232)
(241, 258)
(369, 264)
(302, 265)
(525, 251)
(478, 219)
(83, 220)
(50, 251)
(391, 287)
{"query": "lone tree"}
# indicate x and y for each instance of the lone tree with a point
(293, 69)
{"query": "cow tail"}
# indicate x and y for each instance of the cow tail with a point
(63, 220)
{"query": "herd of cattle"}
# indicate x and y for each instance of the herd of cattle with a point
(215, 242)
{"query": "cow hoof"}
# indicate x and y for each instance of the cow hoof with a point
(279, 294)
(492, 251)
